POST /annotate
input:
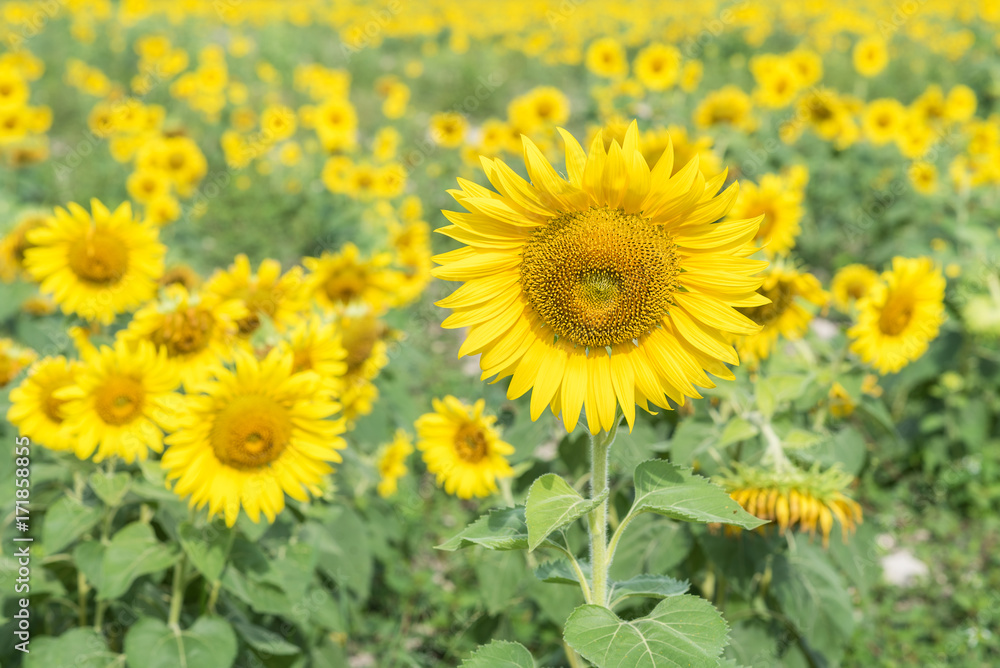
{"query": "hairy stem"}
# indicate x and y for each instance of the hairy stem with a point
(597, 520)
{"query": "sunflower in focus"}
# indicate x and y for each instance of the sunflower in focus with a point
(13, 359)
(392, 463)
(35, 410)
(462, 447)
(850, 284)
(901, 316)
(121, 401)
(794, 498)
(97, 264)
(251, 435)
(783, 315)
(264, 294)
(613, 288)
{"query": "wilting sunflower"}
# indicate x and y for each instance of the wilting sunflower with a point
(195, 330)
(121, 402)
(34, 409)
(463, 448)
(251, 435)
(899, 318)
(794, 497)
(266, 293)
(614, 288)
(95, 266)
(392, 463)
(784, 315)
(852, 283)
(345, 278)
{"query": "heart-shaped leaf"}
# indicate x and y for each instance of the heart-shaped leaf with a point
(133, 551)
(209, 643)
(661, 487)
(553, 504)
(649, 586)
(680, 631)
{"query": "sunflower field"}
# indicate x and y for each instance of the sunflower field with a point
(499, 334)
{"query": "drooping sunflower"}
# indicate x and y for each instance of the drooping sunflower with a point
(266, 293)
(850, 284)
(392, 463)
(899, 317)
(462, 448)
(95, 265)
(795, 498)
(614, 288)
(121, 401)
(784, 315)
(194, 329)
(251, 435)
(34, 409)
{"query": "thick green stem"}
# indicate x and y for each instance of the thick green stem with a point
(597, 520)
(177, 594)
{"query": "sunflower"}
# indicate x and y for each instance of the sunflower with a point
(870, 56)
(34, 409)
(793, 498)
(883, 120)
(14, 244)
(850, 284)
(121, 401)
(899, 318)
(781, 206)
(339, 280)
(364, 338)
(316, 346)
(727, 106)
(448, 129)
(13, 359)
(264, 294)
(146, 185)
(463, 448)
(658, 66)
(95, 266)
(783, 316)
(252, 434)
(923, 176)
(606, 58)
(193, 330)
(392, 463)
(840, 401)
(541, 107)
(614, 288)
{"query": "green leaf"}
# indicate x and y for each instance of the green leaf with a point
(111, 489)
(66, 520)
(560, 571)
(813, 596)
(661, 487)
(209, 643)
(500, 654)
(133, 551)
(89, 559)
(553, 504)
(652, 544)
(649, 586)
(267, 642)
(500, 577)
(778, 389)
(80, 648)
(344, 549)
(206, 547)
(680, 631)
(737, 429)
(501, 529)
